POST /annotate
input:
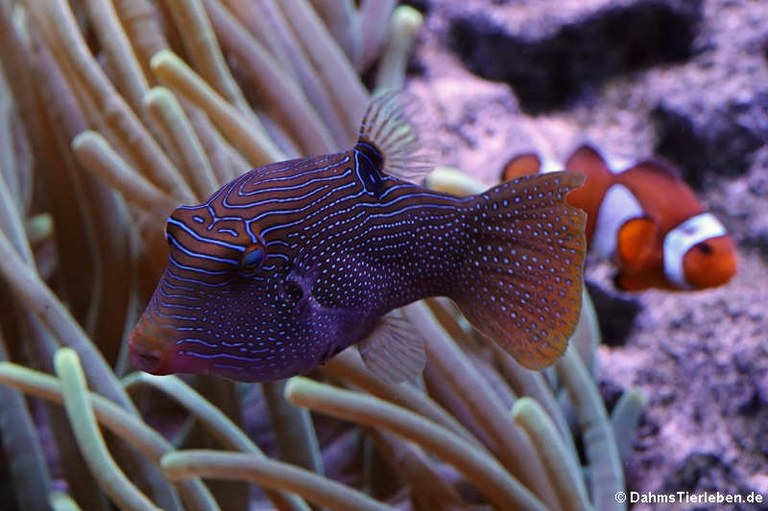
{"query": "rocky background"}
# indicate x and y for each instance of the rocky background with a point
(684, 79)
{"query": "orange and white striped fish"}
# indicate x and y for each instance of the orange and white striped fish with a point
(645, 219)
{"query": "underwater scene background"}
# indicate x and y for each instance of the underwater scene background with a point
(114, 112)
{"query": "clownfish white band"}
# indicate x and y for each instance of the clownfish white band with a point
(618, 207)
(682, 238)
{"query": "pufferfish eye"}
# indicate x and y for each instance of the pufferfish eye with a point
(253, 257)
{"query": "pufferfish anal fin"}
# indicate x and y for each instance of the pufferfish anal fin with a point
(394, 351)
(521, 282)
(521, 165)
(389, 129)
(636, 243)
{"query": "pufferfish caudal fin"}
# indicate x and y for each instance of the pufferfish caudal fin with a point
(523, 280)
(389, 130)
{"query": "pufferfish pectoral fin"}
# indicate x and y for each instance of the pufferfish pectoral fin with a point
(394, 351)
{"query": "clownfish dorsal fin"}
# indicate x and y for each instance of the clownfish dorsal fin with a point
(394, 350)
(526, 164)
(587, 160)
(659, 166)
(636, 243)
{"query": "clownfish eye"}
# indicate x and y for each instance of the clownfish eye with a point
(704, 247)
(253, 257)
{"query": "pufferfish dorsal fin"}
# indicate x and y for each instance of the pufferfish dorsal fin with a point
(394, 351)
(388, 125)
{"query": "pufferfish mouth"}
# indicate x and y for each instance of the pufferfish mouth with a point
(156, 351)
(147, 360)
(149, 351)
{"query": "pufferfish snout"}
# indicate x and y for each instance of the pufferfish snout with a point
(148, 349)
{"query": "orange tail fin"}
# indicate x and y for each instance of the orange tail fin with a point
(524, 279)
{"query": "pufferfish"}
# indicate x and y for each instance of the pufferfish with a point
(645, 219)
(292, 262)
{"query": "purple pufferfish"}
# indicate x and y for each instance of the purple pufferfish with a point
(292, 262)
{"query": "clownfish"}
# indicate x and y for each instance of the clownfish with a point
(646, 220)
(294, 261)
